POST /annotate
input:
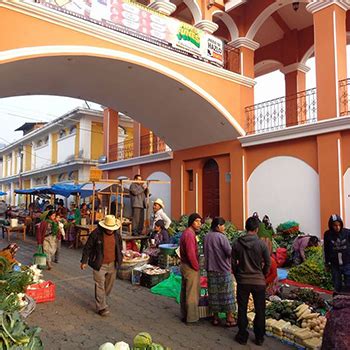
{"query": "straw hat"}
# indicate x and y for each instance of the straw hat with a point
(159, 202)
(110, 223)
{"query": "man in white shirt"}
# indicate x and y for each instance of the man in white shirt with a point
(159, 214)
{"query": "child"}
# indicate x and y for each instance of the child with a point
(61, 234)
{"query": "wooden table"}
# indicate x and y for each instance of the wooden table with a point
(83, 231)
(16, 229)
(126, 238)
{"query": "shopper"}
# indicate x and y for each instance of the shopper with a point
(47, 236)
(299, 246)
(250, 265)
(138, 194)
(190, 288)
(337, 252)
(217, 253)
(159, 214)
(103, 253)
(336, 333)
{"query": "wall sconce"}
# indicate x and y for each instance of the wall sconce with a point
(295, 5)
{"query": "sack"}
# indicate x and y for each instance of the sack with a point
(40, 258)
(171, 287)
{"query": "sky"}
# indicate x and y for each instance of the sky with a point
(15, 111)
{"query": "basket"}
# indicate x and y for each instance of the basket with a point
(168, 249)
(42, 292)
(150, 281)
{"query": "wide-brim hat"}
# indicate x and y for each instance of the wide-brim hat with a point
(159, 202)
(110, 222)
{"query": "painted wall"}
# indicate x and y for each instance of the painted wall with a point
(162, 191)
(27, 157)
(286, 188)
(1, 169)
(42, 157)
(65, 148)
(347, 197)
(96, 140)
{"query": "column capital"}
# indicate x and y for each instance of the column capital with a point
(244, 42)
(207, 26)
(163, 6)
(315, 6)
(295, 67)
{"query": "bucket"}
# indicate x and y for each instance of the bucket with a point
(40, 258)
(125, 269)
(13, 222)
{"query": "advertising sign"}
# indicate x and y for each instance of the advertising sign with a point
(137, 20)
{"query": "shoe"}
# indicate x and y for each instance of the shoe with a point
(259, 341)
(240, 340)
(103, 312)
(55, 261)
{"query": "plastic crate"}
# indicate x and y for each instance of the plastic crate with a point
(151, 280)
(42, 292)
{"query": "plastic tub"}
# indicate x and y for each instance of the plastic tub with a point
(168, 249)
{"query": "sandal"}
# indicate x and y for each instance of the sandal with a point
(230, 324)
(215, 322)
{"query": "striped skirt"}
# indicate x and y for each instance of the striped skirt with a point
(220, 290)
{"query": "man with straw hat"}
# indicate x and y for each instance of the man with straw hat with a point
(159, 214)
(103, 253)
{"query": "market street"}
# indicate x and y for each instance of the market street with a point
(71, 322)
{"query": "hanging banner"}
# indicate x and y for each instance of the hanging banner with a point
(134, 19)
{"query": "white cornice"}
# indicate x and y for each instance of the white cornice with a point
(294, 67)
(163, 6)
(149, 158)
(207, 26)
(244, 42)
(318, 5)
(126, 41)
(296, 132)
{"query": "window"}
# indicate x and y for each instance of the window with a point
(62, 177)
(72, 130)
(62, 133)
(46, 140)
(190, 179)
(39, 143)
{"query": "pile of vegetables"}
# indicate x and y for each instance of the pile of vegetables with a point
(284, 309)
(16, 334)
(308, 296)
(289, 227)
(142, 341)
(312, 270)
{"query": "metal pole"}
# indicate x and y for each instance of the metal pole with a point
(110, 200)
(93, 204)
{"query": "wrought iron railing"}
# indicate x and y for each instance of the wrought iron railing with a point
(232, 59)
(149, 144)
(277, 114)
(344, 97)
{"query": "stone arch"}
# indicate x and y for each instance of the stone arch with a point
(308, 54)
(286, 188)
(195, 10)
(264, 15)
(229, 22)
(266, 66)
(162, 191)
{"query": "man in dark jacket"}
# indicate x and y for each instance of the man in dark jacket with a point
(138, 194)
(103, 253)
(250, 264)
(337, 252)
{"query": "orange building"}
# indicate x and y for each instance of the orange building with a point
(287, 158)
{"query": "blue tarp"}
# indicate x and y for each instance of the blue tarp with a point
(66, 190)
(36, 191)
(3, 193)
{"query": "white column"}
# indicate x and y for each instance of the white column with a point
(85, 137)
(84, 173)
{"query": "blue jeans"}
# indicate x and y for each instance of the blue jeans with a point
(338, 272)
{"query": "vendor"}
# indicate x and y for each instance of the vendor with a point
(299, 246)
(9, 252)
(159, 236)
(75, 219)
(159, 214)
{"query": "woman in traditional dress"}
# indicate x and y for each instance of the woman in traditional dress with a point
(217, 253)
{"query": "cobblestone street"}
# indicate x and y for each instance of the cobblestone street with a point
(71, 322)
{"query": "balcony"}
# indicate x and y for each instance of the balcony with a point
(344, 97)
(149, 144)
(283, 112)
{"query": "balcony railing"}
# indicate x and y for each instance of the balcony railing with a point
(277, 114)
(149, 144)
(344, 97)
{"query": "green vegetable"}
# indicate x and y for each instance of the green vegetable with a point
(142, 340)
(107, 346)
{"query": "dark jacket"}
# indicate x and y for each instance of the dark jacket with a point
(250, 260)
(337, 245)
(138, 195)
(93, 249)
(336, 332)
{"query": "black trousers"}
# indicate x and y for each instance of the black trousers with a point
(258, 293)
(138, 218)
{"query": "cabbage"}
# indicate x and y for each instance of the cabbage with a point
(142, 340)
(107, 346)
(121, 346)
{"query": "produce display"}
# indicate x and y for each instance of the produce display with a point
(308, 296)
(130, 255)
(142, 341)
(312, 270)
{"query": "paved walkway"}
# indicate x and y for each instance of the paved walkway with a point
(70, 323)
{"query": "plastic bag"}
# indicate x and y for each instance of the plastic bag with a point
(171, 287)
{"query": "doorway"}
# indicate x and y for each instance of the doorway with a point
(211, 190)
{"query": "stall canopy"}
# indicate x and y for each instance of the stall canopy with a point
(3, 193)
(67, 190)
(36, 191)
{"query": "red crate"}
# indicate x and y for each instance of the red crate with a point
(42, 292)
